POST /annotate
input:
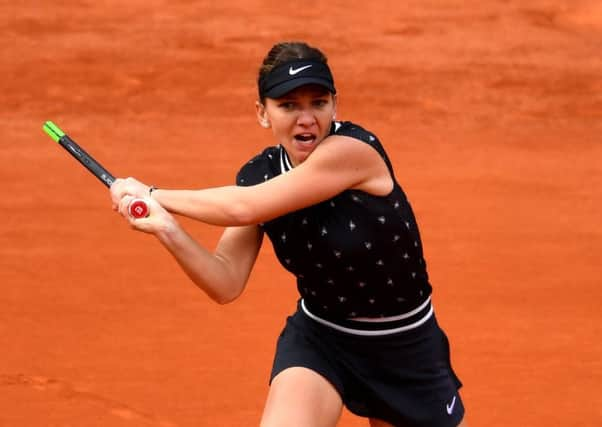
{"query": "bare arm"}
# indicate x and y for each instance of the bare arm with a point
(338, 163)
(221, 274)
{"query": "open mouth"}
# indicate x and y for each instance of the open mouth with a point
(305, 138)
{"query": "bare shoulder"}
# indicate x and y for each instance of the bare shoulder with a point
(349, 155)
(347, 151)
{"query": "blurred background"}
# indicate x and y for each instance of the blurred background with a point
(491, 112)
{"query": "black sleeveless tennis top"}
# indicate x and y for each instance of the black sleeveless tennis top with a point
(354, 255)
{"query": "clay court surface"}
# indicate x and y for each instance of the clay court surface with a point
(491, 112)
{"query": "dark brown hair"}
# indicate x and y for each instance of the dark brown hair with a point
(284, 52)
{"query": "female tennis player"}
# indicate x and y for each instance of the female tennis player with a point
(364, 334)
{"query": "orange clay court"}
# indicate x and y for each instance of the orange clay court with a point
(490, 110)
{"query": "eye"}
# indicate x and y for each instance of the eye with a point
(287, 105)
(320, 103)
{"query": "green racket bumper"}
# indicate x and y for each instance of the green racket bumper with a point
(53, 131)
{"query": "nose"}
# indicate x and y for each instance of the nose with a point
(306, 117)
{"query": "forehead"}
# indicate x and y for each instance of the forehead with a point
(306, 91)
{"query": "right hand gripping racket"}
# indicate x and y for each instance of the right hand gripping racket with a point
(137, 208)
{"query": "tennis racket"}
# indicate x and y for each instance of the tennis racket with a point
(137, 208)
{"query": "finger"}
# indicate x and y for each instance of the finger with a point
(124, 202)
(135, 188)
(116, 191)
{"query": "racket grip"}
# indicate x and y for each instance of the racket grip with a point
(138, 208)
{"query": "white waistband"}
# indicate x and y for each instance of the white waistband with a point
(380, 332)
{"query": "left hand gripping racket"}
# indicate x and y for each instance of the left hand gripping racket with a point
(137, 208)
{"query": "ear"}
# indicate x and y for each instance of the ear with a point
(262, 115)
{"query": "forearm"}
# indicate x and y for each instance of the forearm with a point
(224, 206)
(207, 270)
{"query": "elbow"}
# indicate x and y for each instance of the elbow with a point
(226, 296)
(223, 299)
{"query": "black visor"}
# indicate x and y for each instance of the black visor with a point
(291, 75)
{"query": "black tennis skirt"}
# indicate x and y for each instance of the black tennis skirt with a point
(403, 376)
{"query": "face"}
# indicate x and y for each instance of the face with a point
(300, 120)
